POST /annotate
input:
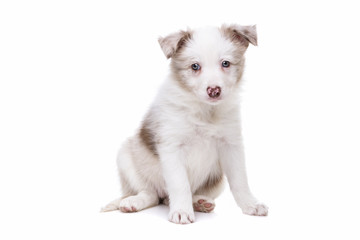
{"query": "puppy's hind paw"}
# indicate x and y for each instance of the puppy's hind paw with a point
(204, 205)
(131, 204)
(112, 206)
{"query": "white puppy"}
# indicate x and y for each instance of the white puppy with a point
(191, 135)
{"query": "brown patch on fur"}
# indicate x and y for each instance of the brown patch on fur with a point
(147, 137)
(212, 181)
(240, 69)
(177, 75)
(211, 184)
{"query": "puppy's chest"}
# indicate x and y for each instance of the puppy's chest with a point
(201, 155)
(201, 146)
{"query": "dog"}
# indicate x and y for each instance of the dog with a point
(191, 136)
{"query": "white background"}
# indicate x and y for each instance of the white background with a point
(76, 77)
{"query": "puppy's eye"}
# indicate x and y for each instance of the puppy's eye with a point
(195, 67)
(225, 64)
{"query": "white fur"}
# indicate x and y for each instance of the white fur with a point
(196, 136)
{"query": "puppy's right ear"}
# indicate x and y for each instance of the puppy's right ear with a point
(172, 43)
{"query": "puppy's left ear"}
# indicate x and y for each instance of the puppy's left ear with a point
(242, 34)
(172, 43)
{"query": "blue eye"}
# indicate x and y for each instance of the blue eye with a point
(195, 67)
(225, 64)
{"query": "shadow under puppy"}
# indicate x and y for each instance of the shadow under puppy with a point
(191, 134)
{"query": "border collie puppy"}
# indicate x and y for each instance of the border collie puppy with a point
(191, 136)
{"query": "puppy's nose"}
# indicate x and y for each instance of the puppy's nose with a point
(214, 92)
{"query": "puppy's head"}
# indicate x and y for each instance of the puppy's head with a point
(209, 62)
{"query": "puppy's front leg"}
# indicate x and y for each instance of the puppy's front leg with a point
(178, 187)
(233, 163)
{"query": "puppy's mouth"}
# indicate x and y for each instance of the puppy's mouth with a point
(213, 101)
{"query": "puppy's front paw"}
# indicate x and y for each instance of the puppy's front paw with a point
(257, 209)
(181, 217)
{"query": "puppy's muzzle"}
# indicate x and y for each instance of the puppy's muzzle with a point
(214, 92)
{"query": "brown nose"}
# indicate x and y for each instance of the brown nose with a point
(214, 92)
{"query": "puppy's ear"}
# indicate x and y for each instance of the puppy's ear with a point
(174, 42)
(241, 34)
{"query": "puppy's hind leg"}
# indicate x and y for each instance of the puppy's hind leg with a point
(203, 199)
(142, 200)
(138, 202)
(112, 206)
